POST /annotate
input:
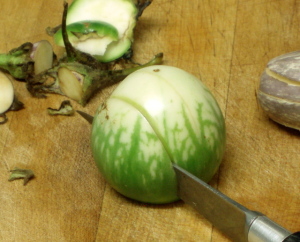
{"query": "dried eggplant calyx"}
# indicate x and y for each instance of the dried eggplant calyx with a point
(18, 173)
(65, 109)
(279, 90)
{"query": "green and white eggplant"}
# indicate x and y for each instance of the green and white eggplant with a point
(118, 14)
(157, 116)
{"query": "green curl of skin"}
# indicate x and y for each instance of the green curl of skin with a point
(95, 35)
(82, 30)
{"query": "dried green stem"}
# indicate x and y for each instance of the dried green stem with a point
(71, 54)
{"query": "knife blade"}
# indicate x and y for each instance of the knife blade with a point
(86, 116)
(233, 219)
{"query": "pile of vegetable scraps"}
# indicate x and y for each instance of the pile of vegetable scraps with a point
(97, 36)
(157, 116)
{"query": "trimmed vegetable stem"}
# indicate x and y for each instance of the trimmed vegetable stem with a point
(17, 61)
(80, 82)
(28, 59)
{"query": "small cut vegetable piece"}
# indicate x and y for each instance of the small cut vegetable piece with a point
(6, 93)
(70, 83)
(122, 14)
(42, 55)
(157, 116)
(91, 37)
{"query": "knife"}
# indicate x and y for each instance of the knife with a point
(234, 220)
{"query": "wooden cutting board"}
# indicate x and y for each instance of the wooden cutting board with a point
(227, 45)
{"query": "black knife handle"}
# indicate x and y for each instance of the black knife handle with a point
(295, 237)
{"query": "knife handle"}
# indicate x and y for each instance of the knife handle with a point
(263, 229)
(295, 237)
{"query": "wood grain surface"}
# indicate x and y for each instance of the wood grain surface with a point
(227, 44)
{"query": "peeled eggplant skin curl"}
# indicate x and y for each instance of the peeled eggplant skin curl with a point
(279, 90)
(88, 36)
